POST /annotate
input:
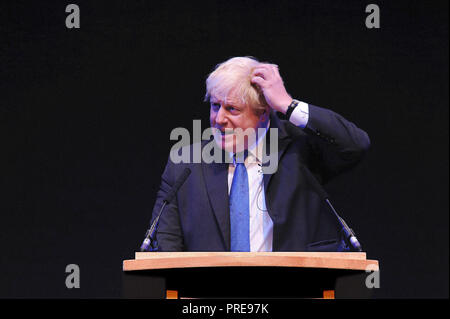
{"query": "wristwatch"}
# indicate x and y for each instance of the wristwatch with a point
(291, 108)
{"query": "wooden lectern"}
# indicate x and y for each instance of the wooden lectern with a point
(247, 275)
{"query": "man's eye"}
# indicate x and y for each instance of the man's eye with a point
(215, 106)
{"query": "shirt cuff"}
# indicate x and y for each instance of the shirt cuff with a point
(300, 115)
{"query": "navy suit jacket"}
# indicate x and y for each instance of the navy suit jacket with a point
(198, 218)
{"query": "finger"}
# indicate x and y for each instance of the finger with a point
(262, 72)
(276, 71)
(267, 70)
(258, 80)
(267, 65)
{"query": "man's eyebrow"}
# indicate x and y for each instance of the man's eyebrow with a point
(228, 104)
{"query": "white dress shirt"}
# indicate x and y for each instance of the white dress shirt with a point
(261, 225)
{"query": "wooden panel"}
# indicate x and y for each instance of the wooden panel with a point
(350, 255)
(352, 261)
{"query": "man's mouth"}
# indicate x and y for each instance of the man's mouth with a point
(225, 132)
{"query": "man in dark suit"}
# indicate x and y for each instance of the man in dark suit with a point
(236, 206)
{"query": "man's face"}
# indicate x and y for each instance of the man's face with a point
(229, 116)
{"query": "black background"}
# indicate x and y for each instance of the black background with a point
(85, 118)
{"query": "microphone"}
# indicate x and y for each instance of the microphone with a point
(151, 232)
(349, 235)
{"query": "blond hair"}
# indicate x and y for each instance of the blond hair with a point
(235, 75)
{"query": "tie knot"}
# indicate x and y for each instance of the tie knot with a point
(239, 158)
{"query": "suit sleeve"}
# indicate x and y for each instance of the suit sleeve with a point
(337, 144)
(169, 234)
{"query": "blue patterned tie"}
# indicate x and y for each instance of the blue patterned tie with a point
(239, 210)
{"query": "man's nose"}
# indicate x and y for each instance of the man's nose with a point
(221, 118)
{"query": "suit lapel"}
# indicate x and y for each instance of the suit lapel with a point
(216, 179)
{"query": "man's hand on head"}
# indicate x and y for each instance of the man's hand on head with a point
(268, 78)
